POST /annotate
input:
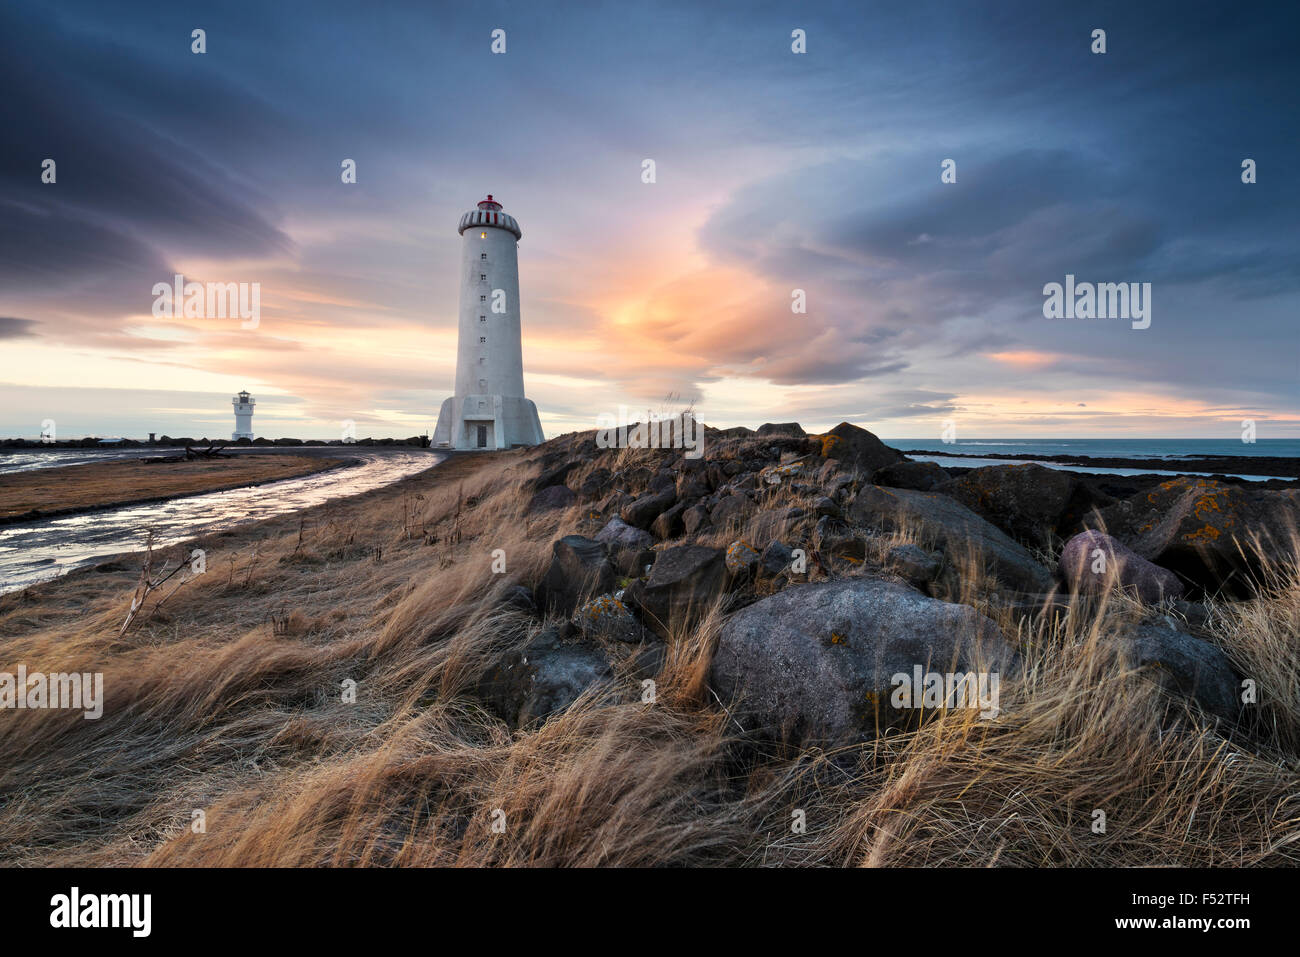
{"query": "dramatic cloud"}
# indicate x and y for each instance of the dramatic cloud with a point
(776, 172)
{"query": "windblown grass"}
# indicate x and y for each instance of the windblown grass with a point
(228, 701)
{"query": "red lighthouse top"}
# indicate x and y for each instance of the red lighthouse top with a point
(489, 203)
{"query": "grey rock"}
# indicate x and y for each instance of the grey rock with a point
(543, 678)
(1185, 665)
(695, 518)
(835, 538)
(606, 616)
(670, 524)
(1117, 563)
(826, 506)
(618, 534)
(741, 558)
(815, 663)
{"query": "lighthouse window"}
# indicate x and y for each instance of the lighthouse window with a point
(482, 255)
(482, 298)
(482, 338)
(482, 318)
(482, 235)
(482, 360)
(482, 275)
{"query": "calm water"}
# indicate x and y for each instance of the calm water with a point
(48, 548)
(1163, 453)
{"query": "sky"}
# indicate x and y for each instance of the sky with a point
(775, 171)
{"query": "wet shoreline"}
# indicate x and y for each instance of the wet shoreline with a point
(39, 515)
(49, 548)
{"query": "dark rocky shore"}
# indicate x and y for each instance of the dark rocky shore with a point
(838, 562)
(1213, 465)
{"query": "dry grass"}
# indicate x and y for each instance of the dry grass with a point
(228, 700)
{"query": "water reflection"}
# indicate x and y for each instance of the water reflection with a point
(47, 548)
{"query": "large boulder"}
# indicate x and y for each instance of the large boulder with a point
(544, 677)
(1092, 561)
(579, 569)
(922, 476)
(952, 527)
(817, 663)
(1185, 665)
(858, 448)
(1208, 532)
(781, 428)
(682, 584)
(1025, 501)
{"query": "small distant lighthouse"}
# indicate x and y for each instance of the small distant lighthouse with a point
(243, 404)
(488, 410)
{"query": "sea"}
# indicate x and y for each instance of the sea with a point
(1163, 453)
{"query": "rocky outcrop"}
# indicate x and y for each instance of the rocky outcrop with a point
(781, 428)
(1093, 561)
(858, 448)
(1025, 501)
(816, 663)
(952, 527)
(1208, 532)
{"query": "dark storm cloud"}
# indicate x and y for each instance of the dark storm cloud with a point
(14, 328)
(127, 193)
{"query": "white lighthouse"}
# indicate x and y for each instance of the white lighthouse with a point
(488, 410)
(243, 404)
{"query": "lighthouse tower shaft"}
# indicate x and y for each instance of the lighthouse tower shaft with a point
(489, 409)
(243, 404)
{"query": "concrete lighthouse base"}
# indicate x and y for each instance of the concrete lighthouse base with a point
(487, 422)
